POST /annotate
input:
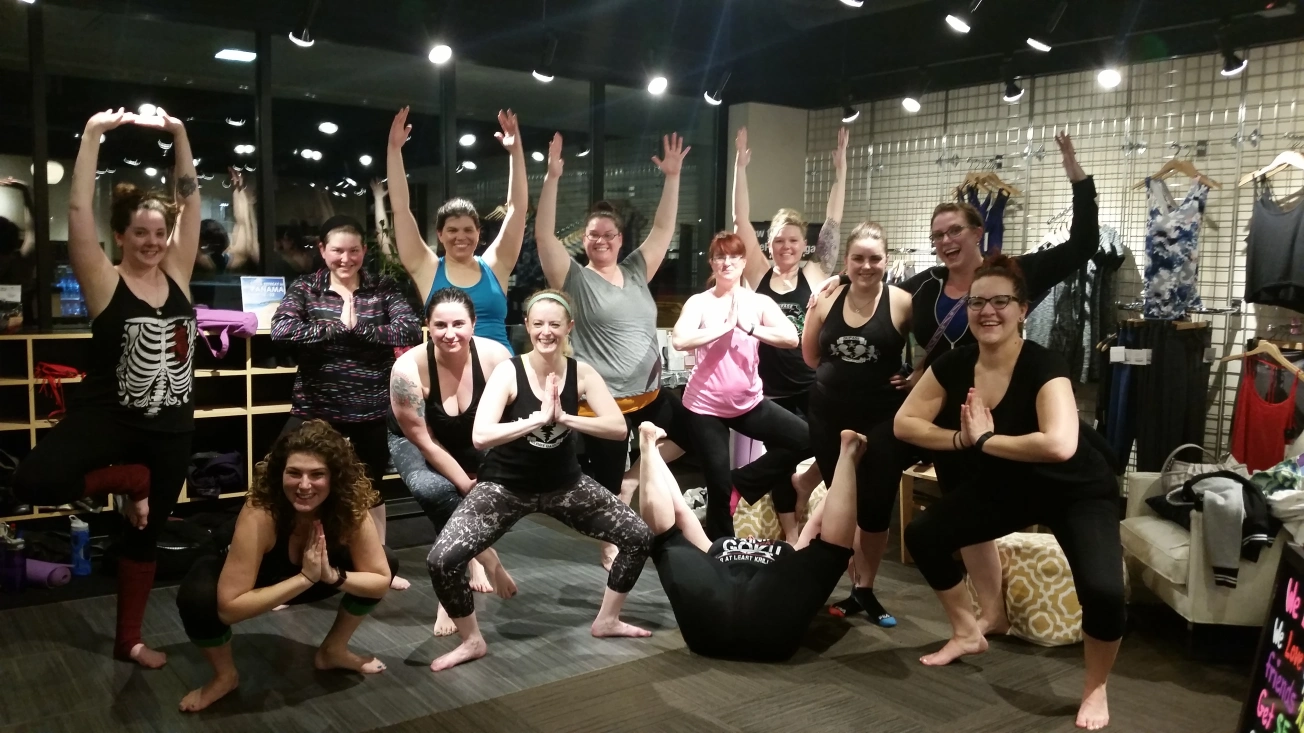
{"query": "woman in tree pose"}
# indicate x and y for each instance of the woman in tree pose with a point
(128, 428)
(303, 535)
(528, 418)
(457, 225)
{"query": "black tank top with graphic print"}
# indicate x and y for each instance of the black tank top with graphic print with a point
(545, 459)
(140, 371)
(858, 363)
(783, 371)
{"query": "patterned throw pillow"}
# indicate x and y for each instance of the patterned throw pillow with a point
(761, 521)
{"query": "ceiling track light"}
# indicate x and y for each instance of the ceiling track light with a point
(658, 84)
(301, 36)
(915, 92)
(1042, 42)
(959, 21)
(543, 72)
(1109, 77)
(853, 3)
(1013, 92)
(716, 99)
(1232, 63)
(849, 113)
(441, 53)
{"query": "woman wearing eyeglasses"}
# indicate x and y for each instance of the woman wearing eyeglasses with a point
(725, 327)
(1000, 413)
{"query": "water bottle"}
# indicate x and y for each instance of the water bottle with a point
(67, 299)
(13, 564)
(81, 547)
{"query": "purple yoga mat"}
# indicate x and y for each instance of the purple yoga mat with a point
(47, 574)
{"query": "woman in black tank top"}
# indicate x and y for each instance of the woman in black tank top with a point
(435, 392)
(528, 419)
(854, 338)
(129, 424)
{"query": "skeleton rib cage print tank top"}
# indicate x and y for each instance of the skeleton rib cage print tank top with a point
(140, 370)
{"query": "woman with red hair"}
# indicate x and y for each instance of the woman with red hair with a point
(725, 326)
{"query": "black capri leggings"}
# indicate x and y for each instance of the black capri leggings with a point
(1086, 528)
(197, 596)
(54, 472)
(879, 471)
(491, 509)
(606, 460)
(759, 614)
(370, 442)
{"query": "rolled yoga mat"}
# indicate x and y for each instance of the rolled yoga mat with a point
(47, 574)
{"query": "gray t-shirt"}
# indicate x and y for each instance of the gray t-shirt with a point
(616, 328)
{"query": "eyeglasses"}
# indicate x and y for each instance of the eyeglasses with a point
(729, 258)
(952, 233)
(998, 302)
(605, 238)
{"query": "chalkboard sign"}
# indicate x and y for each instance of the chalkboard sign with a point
(1274, 704)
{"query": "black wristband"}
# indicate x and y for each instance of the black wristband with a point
(978, 444)
(844, 279)
(339, 579)
(751, 330)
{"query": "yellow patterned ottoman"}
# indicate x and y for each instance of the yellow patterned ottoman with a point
(1040, 600)
(761, 521)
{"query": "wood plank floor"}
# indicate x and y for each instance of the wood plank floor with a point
(545, 673)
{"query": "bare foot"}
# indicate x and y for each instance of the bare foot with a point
(136, 512)
(609, 552)
(650, 433)
(468, 650)
(854, 442)
(1094, 713)
(506, 587)
(397, 583)
(994, 626)
(148, 658)
(342, 658)
(616, 628)
(444, 625)
(281, 607)
(954, 649)
(479, 581)
(212, 691)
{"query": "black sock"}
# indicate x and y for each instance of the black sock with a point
(848, 606)
(879, 615)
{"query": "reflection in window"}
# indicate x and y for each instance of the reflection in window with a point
(17, 239)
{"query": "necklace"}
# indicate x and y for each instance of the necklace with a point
(858, 308)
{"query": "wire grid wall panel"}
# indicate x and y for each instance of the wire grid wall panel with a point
(900, 166)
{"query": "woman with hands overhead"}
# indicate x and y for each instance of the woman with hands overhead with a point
(527, 419)
(303, 535)
(135, 407)
(457, 225)
(615, 315)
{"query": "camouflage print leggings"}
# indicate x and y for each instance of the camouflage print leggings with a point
(491, 509)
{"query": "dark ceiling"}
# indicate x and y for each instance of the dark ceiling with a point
(804, 53)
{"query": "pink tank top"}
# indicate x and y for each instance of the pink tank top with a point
(726, 381)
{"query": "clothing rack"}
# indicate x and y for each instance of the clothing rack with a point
(1061, 216)
(1233, 309)
(907, 250)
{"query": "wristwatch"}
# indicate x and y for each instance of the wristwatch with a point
(978, 444)
(341, 575)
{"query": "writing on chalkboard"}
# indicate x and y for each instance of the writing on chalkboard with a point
(1274, 705)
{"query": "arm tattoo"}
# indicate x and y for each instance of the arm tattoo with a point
(186, 186)
(407, 394)
(826, 247)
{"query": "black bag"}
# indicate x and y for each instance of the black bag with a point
(212, 474)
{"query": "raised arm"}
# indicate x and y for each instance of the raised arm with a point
(417, 258)
(689, 333)
(663, 223)
(487, 431)
(179, 262)
(409, 407)
(757, 263)
(244, 235)
(1057, 418)
(1048, 268)
(29, 231)
(293, 322)
(607, 422)
(554, 258)
(384, 232)
(826, 247)
(92, 267)
(506, 248)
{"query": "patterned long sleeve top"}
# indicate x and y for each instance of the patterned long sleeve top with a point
(344, 372)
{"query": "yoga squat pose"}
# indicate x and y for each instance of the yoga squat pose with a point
(1000, 416)
(457, 225)
(434, 395)
(129, 426)
(528, 419)
(616, 318)
(303, 535)
(744, 598)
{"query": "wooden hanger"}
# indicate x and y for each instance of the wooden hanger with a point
(1184, 167)
(1287, 159)
(988, 181)
(1270, 349)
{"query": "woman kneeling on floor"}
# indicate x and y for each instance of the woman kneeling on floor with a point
(303, 535)
(1001, 413)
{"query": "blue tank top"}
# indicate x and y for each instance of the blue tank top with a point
(489, 299)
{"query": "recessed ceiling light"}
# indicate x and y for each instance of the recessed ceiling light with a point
(469, 165)
(235, 54)
(151, 172)
(957, 24)
(147, 110)
(911, 104)
(466, 140)
(329, 128)
(441, 53)
(538, 157)
(365, 160)
(657, 85)
(1109, 78)
(1038, 45)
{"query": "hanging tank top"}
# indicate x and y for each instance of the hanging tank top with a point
(725, 381)
(858, 363)
(783, 371)
(1274, 249)
(488, 298)
(1259, 426)
(545, 459)
(140, 371)
(452, 431)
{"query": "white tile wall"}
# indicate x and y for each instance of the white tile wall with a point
(902, 165)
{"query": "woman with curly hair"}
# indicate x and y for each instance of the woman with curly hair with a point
(303, 535)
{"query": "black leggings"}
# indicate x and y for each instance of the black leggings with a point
(759, 614)
(606, 460)
(197, 596)
(1086, 528)
(879, 471)
(54, 472)
(491, 509)
(370, 442)
(787, 443)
